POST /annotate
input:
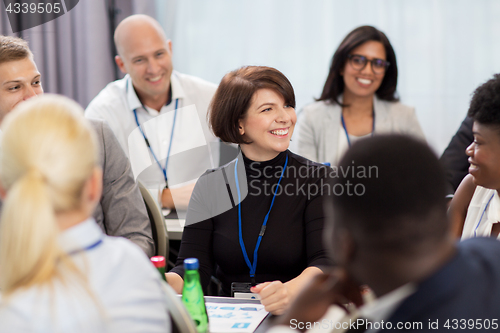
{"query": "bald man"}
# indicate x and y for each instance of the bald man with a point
(157, 114)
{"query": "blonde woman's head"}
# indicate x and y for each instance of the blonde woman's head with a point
(48, 169)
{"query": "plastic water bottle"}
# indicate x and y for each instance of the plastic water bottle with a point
(192, 295)
(159, 263)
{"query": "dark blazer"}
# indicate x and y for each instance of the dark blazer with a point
(454, 159)
(467, 287)
(121, 211)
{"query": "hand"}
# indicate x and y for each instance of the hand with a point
(273, 295)
(179, 195)
(322, 291)
(175, 281)
(166, 199)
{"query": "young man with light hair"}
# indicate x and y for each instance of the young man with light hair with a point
(121, 210)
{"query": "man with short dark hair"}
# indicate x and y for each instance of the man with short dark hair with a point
(396, 239)
(121, 210)
(19, 77)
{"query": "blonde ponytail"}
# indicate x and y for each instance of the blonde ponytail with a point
(48, 152)
(27, 233)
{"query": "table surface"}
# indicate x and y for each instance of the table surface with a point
(262, 326)
(216, 299)
(175, 226)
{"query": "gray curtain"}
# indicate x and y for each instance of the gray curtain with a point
(75, 52)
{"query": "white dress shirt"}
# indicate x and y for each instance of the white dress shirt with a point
(482, 213)
(123, 291)
(194, 148)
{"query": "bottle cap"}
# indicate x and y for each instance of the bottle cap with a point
(158, 261)
(191, 263)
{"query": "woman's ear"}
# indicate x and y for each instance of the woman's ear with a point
(240, 128)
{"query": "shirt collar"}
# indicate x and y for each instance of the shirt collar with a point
(80, 236)
(382, 308)
(175, 84)
(135, 103)
(132, 99)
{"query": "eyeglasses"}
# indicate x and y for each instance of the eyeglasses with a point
(358, 62)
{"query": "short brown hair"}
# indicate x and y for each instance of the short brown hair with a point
(13, 48)
(233, 97)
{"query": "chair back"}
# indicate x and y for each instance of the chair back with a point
(181, 320)
(158, 226)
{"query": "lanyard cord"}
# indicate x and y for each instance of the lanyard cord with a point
(485, 207)
(90, 247)
(163, 168)
(345, 128)
(253, 267)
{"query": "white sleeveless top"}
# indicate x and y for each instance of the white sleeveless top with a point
(483, 211)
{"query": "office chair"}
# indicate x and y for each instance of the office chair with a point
(158, 226)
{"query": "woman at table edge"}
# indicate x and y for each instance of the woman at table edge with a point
(263, 129)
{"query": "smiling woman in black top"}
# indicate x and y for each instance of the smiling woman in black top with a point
(258, 219)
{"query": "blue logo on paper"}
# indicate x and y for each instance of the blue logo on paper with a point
(227, 307)
(240, 325)
(249, 309)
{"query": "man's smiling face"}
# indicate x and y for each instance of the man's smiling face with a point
(19, 81)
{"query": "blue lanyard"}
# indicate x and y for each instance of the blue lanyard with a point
(345, 128)
(485, 207)
(163, 168)
(90, 247)
(253, 267)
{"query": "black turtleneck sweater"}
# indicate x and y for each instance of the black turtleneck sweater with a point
(293, 237)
